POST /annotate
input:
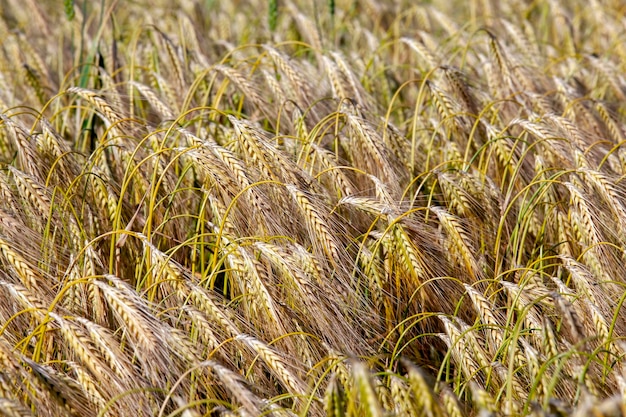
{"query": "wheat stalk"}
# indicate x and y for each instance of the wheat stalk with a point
(459, 238)
(274, 362)
(111, 115)
(30, 160)
(28, 276)
(423, 393)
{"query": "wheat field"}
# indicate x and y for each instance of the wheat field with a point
(293, 208)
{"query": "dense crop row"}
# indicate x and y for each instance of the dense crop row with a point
(303, 208)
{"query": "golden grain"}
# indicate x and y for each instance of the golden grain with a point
(361, 209)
